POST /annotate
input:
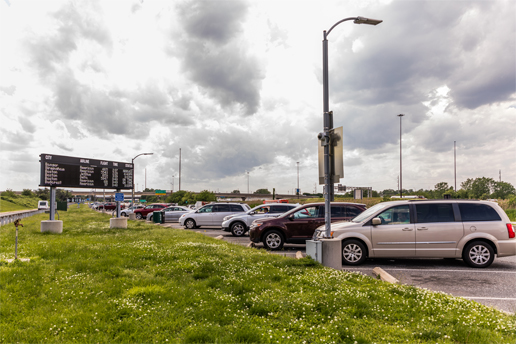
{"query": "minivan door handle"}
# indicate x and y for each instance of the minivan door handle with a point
(407, 229)
(422, 229)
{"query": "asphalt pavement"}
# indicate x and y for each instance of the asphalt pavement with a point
(494, 286)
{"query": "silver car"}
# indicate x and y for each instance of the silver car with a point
(239, 224)
(211, 214)
(171, 214)
(475, 231)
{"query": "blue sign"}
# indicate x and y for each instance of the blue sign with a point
(119, 197)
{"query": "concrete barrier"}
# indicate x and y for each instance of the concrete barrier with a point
(332, 253)
(132, 216)
(118, 222)
(52, 226)
(384, 276)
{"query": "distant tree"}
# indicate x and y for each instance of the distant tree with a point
(235, 191)
(503, 190)
(176, 197)
(43, 194)
(262, 192)
(148, 190)
(441, 188)
(63, 195)
(481, 187)
(27, 192)
(188, 198)
(206, 196)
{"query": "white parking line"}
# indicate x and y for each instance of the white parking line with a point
(489, 298)
(438, 270)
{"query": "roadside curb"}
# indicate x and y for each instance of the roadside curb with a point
(384, 276)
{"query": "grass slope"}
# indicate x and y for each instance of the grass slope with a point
(146, 284)
(18, 203)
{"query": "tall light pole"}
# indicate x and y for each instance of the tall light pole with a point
(401, 175)
(297, 191)
(179, 169)
(328, 123)
(247, 182)
(455, 163)
(132, 162)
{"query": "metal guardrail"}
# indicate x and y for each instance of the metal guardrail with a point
(6, 218)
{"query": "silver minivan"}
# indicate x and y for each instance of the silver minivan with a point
(475, 231)
(211, 214)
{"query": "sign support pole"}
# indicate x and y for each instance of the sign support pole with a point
(52, 203)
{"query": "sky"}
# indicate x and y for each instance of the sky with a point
(236, 87)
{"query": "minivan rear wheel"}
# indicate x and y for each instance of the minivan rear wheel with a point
(478, 254)
(353, 252)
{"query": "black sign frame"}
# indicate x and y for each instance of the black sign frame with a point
(74, 172)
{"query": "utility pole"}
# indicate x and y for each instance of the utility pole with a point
(179, 169)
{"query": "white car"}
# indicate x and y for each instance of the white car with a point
(43, 205)
(239, 224)
(211, 214)
(125, 212)
(171, 214)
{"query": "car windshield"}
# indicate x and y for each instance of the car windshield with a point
(369, 212)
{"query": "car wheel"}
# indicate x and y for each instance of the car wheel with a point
(190, 224)
(273, 240)
(139, 216)
(478, 254)
(238, 229)
(353, 252)
(150, 218)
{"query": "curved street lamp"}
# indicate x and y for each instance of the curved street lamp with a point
(328, 123)
(132, 162)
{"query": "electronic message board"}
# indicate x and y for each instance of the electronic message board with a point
(66, 171)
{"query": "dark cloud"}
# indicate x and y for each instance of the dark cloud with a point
(415, 50)
(215, 56)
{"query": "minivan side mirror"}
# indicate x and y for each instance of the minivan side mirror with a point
(376, 221)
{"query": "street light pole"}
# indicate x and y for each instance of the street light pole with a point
(132, 163)
(328, 123)
(401, 176)
(297, 179)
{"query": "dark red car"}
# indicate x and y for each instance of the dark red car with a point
(142, 213)
(110, 206)
(299, 224)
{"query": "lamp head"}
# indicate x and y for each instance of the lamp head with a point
(368, 21)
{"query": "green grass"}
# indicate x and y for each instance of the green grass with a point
(17, 203)
(144, 284)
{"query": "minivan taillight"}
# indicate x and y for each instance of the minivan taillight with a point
(510, 229)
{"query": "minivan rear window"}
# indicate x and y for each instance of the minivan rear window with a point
(478, 212)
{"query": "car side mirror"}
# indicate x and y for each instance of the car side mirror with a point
(291, 217)
(252, 213)
(376, 221)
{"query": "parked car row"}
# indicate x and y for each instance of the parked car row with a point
(105, 205)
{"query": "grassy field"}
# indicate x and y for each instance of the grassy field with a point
(149, 284)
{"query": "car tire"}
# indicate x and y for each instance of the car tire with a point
(478, 254)
(238, 229)
(353, 252)
(139, 216)
(273, 240)
(150, 218)
(190, 224)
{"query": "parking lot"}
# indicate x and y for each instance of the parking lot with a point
(494, 286)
